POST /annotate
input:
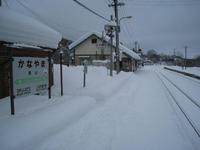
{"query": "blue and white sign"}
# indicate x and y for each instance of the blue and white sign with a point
(30, 75)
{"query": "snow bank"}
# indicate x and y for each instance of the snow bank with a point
(98, 82)
(38, 118)
(18, 28)
(26, 130)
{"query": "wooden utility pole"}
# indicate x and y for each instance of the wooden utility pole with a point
(111, 48)
(116, 4)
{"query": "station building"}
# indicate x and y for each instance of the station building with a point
(94, 46)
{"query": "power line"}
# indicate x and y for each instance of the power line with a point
(42, 19)
(27, 8)
(92, 11)
(5, 3)
(164, 2)
(125, 24)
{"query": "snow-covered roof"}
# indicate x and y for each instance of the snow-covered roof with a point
(17, 45)
(106, 38)
(18, 28)
(129, 52)
(83, 38)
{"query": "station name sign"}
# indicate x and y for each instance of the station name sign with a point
(30, 75)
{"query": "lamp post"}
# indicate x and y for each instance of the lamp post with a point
(127, 17)
(61, 72)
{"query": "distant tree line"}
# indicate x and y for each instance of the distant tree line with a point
(176, 59)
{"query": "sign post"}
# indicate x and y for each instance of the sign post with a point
(30, 75)
(61, 72)
(85, 70)
(50, 76)
(12, 97)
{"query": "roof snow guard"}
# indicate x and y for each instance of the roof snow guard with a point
(106, 38)
(18, 28)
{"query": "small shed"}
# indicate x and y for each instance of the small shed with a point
(129, 59)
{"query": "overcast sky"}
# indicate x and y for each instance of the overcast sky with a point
(156, 24)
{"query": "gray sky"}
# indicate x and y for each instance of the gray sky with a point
(156, 24)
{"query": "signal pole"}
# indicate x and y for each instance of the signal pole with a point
(116, 4)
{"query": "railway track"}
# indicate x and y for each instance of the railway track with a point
(182, 91)
(163, 78)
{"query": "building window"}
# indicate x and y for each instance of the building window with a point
(94, 41)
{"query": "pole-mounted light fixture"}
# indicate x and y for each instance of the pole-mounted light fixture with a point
(127, 17)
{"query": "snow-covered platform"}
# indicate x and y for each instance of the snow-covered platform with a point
(195, 75)
(126, 111)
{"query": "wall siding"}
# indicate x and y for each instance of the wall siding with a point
(88, 48)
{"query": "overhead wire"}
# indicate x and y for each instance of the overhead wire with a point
(73, 30)
(90, 10)
(126, 24)
(6, 3)
(164, 2)
(126, 27)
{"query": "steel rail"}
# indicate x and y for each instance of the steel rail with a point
(181, 109)
(186, 95)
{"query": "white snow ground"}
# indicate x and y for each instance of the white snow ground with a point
(128, 111)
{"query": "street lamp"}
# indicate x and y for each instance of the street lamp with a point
(127, 17)
(61, 72)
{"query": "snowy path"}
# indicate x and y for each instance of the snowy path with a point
(138, 117)
(135, 112)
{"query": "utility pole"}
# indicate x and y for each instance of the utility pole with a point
(174, 57)
(115, 4)
(174, 52)
(111, 49)
(185, 56)
(109, 28)
(0, 3)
